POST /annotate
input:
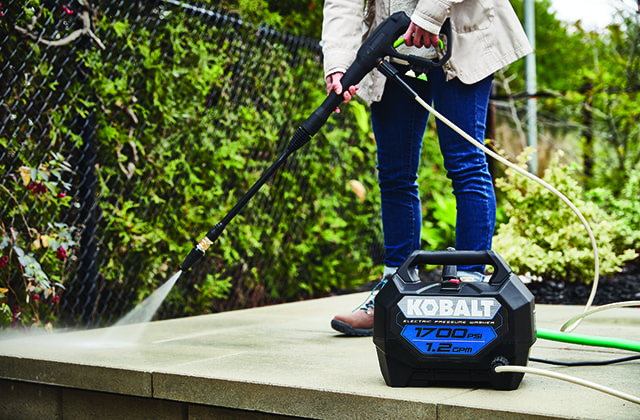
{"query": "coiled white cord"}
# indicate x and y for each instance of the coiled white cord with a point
(586, 313)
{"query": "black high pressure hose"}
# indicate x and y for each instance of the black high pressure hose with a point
(370, 55)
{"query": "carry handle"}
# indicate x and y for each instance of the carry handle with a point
(501, 269)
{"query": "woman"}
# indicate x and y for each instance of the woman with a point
(486, 36)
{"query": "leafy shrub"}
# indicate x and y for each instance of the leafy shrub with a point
(39, 252)
(624, 207)
(215, 112)
(187, 116)
(545, 238)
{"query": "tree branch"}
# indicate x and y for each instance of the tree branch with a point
(86, 30)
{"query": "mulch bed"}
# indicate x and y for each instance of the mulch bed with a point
(620, 287)
(623, 286)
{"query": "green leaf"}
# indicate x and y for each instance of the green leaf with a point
(120, 28)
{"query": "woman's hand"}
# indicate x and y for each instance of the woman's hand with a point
(333, 84)
(418, 37)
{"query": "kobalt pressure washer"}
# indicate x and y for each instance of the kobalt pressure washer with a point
(426, 333)
(452, 332)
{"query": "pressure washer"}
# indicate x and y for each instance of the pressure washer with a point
(453, 332)
(448, 332)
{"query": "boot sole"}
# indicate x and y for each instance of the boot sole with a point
(349, 330)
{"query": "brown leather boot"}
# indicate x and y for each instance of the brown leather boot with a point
(358, 323)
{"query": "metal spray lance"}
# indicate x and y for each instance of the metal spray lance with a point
(380, 44)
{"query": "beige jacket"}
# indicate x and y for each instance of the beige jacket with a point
(486, 36)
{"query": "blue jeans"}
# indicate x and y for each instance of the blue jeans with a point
(399, 124)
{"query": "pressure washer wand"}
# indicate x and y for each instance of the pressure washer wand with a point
(298, 140)
(301, 137)
(378, 45)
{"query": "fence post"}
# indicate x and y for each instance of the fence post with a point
(587, 134)
(87, 273)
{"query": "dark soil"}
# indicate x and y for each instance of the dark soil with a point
(620, 287)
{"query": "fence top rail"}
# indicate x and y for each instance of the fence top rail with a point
(262, 31)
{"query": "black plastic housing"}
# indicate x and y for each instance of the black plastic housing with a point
(414, 361)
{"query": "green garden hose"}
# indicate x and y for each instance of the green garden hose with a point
(588, 340)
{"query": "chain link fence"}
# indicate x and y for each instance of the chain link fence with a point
(128, 127)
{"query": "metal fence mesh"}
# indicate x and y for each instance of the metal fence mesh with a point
(68, 72)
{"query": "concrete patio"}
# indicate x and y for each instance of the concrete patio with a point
(285, 361)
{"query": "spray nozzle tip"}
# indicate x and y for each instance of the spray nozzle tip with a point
(194, 255)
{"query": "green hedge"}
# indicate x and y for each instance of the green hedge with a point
(215, 109)
(187, 116)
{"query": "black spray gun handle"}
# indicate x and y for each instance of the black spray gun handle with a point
(378, 45)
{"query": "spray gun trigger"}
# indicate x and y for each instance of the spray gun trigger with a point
(400, 41)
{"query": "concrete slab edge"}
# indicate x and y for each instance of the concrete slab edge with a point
(314, 403)
(76, 375)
